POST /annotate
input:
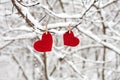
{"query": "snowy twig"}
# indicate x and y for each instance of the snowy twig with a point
(61, 4)
(76, 70)
(109, 3)
(53, 14)
(85, 13)
(94, 37)
(21, 67)
(26, 15)
(24, 36)
(112, 24)
(61, 15)
(45, 66)
(6, 44)
(20, 28)
(50, 7)
(73, 52)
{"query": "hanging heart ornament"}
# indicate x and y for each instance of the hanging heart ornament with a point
(45, 44)
(70, 39)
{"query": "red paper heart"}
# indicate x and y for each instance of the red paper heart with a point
(70, 39)
(45, 44)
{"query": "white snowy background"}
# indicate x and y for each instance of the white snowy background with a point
(95, 22)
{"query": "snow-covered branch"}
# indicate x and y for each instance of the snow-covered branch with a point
(94, 37)
(26, 15)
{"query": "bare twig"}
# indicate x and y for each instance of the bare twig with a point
(55, 67)
(49, 5)
(61, 4)
(53, 70)
(42, 18)
(84, 14)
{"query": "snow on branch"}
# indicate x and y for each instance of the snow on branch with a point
(19, 28)
(64, 15)
(83, 77)
(21, 67)
(61, 15)
(23, 36)
(72, 52)
(53, 14)
(26, 15)
(94, 37)
(109, 3)
(112, 24)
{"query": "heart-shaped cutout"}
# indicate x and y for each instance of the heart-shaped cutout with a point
(45, 44)
(70, 39)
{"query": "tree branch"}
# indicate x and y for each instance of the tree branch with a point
(45, 65)
(21, 67)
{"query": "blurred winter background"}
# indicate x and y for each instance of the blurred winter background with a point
(95, 22)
